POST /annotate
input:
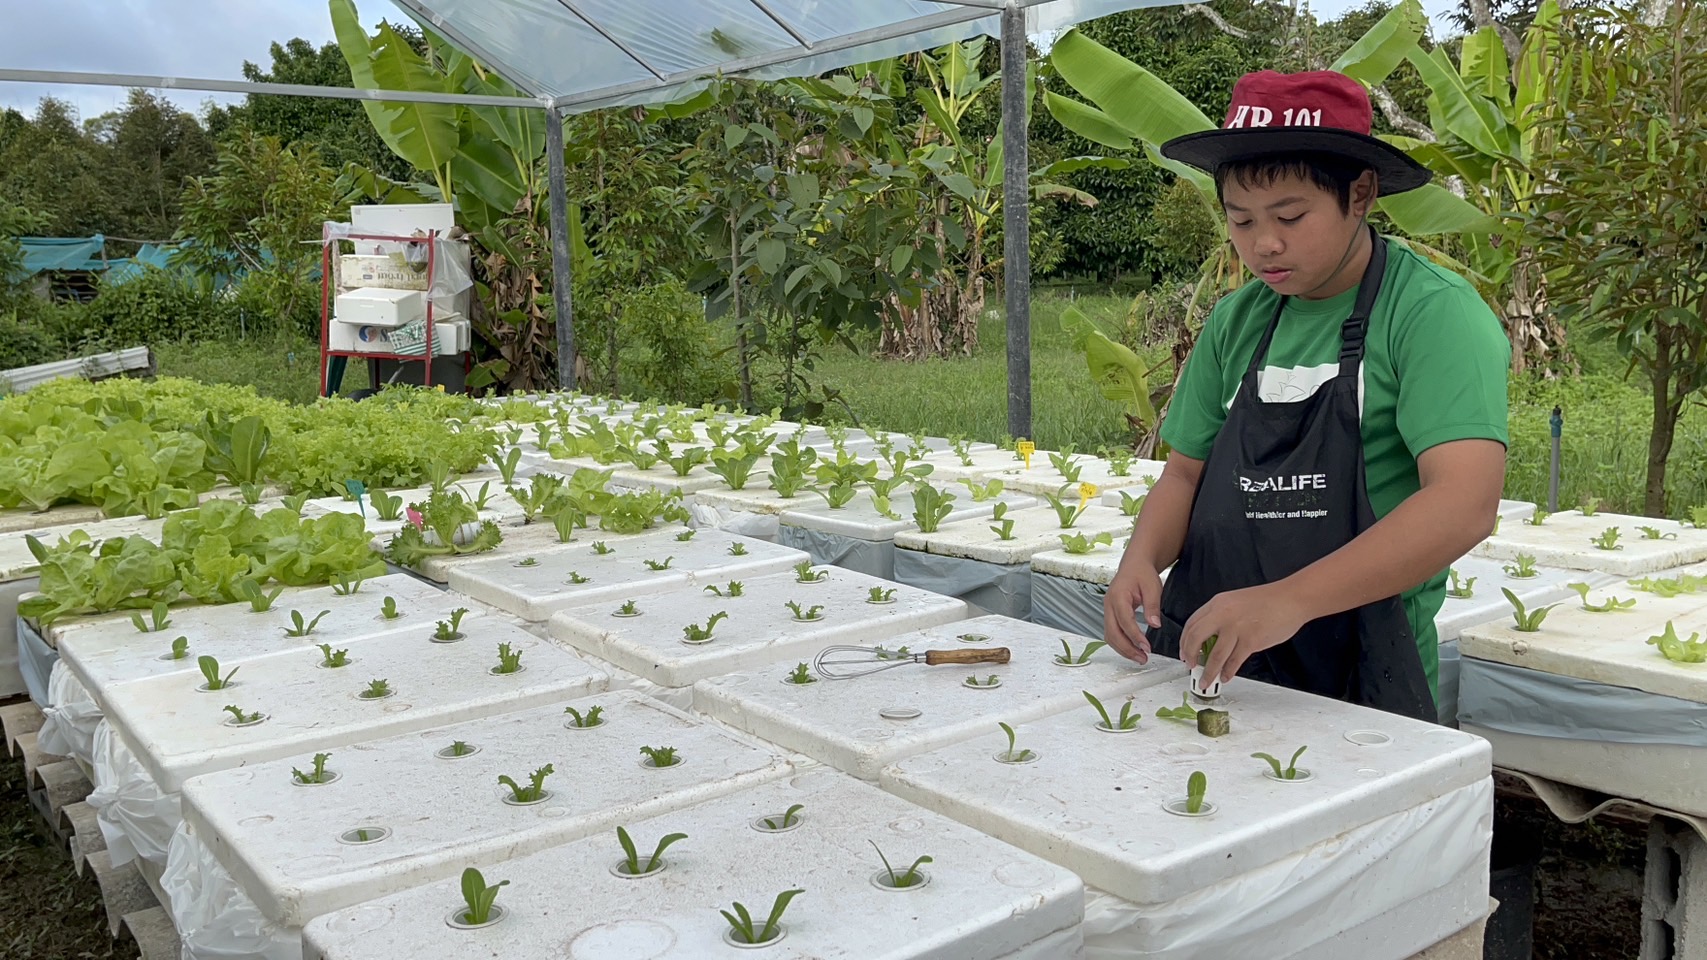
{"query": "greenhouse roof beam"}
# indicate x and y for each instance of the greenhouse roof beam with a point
(255, 86)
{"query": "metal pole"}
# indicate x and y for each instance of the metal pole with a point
(1557, 422)
(560, 280)
(1016, 219)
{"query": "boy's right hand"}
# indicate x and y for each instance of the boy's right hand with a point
(1136, 584)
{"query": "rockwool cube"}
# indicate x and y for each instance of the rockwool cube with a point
(289, 847)
(858, 726)
(1387, 828)
(982, 899)
(665, 641)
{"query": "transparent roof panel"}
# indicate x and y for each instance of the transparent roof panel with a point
(541, 44)
(672, 37)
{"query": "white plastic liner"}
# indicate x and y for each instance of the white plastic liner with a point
(215, 920)
(1297, 905)
(11, 678)
(134, 816)
(1499, 696)
(35, 661)
(1064, 604)
(69, 720)
(992, 588)
(876, 558)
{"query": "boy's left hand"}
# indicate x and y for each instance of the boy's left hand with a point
(1244, 622)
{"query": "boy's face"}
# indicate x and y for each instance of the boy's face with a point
(1293, 235)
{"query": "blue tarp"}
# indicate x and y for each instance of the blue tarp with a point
(62, 253)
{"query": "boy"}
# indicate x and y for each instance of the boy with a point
(1338, 434)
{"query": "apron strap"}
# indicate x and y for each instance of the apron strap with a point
(1356, 326)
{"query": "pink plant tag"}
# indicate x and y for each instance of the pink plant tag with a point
(415, 518)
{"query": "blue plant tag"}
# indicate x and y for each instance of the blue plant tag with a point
(357, 490)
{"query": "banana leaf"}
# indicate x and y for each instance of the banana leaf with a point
(1379, 52)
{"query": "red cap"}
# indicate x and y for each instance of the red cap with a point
(1319, 98)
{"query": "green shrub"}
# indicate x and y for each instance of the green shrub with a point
(24, 344)
(276, 301)
(156, 306)
(671, 346)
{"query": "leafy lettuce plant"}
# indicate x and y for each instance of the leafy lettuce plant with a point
(1528, 621)
(741, 923)
(1078, 543)
(478, 897)
(931, 507)
(535, 790)
(444, 515)
(1460, 589)
(631, 855)
(1609, 605)
(790, 463)
(1677, 650)
(1128, 719)
(638, 511)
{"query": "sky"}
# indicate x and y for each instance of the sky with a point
(210, 39)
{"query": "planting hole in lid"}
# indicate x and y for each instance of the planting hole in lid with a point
(364, 835)
(1185, 749)
(880, 880)
(899, 713)
(1369, 738)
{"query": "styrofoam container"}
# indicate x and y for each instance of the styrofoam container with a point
(1400, 769)
(986, 462)
(759, 632)
(534, 593)
(1515, 511)
(756, 497)
(1564, 540)
(1034, 532)
(844, 724)
(500, 506)
(280, 842)
(1112, 497)
(378, 307)
(180, 731)
(983, 899)
(1043, 478)
(523, 540)
(1608, 648)
(1486, 604)
(1099, 566)
(68, 515)
(1667, 775)
(17, 562)
(860, 520)
(661, 476)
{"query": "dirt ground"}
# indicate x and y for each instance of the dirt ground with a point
(1588, 885)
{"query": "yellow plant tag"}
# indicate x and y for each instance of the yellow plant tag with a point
(1086, 492)
(1026, 448)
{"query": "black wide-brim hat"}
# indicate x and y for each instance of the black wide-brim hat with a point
(1321, 112)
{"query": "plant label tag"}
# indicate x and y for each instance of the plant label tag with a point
(1026, 449)
(415, 518)
(357, 489)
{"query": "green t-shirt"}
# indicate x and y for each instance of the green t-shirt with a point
(1434, 370)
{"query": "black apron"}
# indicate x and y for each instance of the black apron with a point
(1283, 487)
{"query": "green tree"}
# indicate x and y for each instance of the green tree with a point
(149, 148)
(47, 164)
(1617, 222)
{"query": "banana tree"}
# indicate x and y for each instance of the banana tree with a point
(1486, 114)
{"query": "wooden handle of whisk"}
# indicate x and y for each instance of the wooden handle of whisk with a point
(990, 655)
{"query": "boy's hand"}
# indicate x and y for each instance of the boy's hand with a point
(1134, 585)
(1244, 623)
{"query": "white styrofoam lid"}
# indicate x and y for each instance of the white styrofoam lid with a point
(984, 899)
(1565, 540)
(280, 842)
(1109, 826)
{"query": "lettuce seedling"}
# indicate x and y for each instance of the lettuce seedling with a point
(1607, 540)
(962, 449)
(661, 756)
(528, 562)
(1457, 589)
(1654, 533)
(333, 658)
(1004, 528)
(1523, 569)
(1670, 586)
(901, 881)
(990, 681)
(685, 536)
(639, 511)
(735, 589)
(1290, 772)
(602, 549)
(577, 579)
(1678, 650)
(880, 595)
(1528, 621)
(789, 816)
(296, 501)
(566, 519)
(789, 465)
(544, 490)
(1128, 719)
(1067, 657)
(1611, 604)
(438, 476)
(658, 565)
(737, 549)
(1590, 506)
(159, 619)
(1012, 756)
(982, 492)
(260, 601)
(460, 748)
(801, 674)
(592, 718)
(1196, 786)
(180, 648)
(629, 609)
(684, 462)
(816, 612)
(509, 660)
(479, 897)
(447, 630)
(698, 634)
(734, 467)
(347, 584)
(803, 573)
(388, 507)
(1078, 543)
(1065, 464)
(642, 460)
(1119, 460)
(837, 495)
(300, 627)
(388, 609)
(1130, 505)
(632, 862)
(931, 507)
(1538, 518)
(742, 922)
(239, 716)
(482, 499)
(1067, 511)
(210, 670)
(507, 465)
(376, 689)
(1181, 712)
(315, 776)
(534, 791)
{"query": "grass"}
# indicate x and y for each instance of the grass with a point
(1604, 447)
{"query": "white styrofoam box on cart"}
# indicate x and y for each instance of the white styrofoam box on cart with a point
(378, 307)
(180, 731)
(859, 519)
(523, 540)
(535, 592)
(1564, 540)
(447, 814)
(759, 632)
(1278, 869)
(1035, 531)
(842, 722)
(984, 898)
